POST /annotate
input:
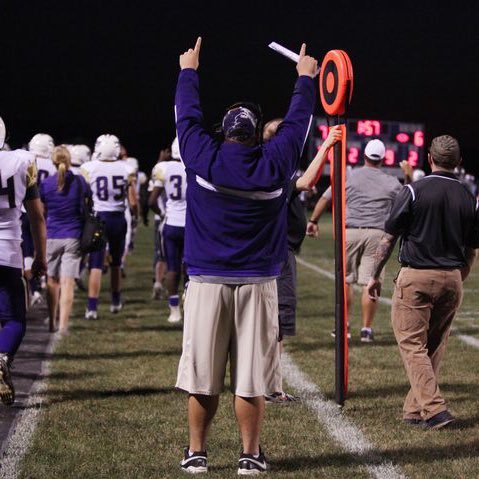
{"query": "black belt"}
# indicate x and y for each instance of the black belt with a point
(446, 268)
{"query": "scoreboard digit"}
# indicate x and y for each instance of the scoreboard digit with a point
(403, 141)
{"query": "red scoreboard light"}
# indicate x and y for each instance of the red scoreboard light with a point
(403, 141)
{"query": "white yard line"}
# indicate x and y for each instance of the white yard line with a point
(348, 436)
(22, 429)
(470, 340)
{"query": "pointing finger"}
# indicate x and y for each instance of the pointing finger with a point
(302, 52)
(198, 45)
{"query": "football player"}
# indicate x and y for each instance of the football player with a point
(41, 145)
(170, 176)
(111, 182)
(131, 222)
(18, 185)
(159, 259)
(79, 154)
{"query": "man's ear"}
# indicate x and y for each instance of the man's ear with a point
(429, 159)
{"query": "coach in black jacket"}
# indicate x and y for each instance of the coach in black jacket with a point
(437, 220)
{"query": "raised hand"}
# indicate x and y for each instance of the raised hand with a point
(306, 65)
(191, 58)
(335, 134)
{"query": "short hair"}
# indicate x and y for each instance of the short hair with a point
(445, 152)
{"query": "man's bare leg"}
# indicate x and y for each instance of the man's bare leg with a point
(349, 297)
(201, 411)
(368, 308)
(250, 414)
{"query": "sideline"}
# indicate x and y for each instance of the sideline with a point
(21, 431)
(469, 340)
(348, 436)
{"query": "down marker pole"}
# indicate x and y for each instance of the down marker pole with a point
(336, 89)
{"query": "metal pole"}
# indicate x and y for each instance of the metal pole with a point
(339, 275)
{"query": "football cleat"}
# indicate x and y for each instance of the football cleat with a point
(116, 308)
(7, 391)
(175, 314)
(91, 314)
(37, 298)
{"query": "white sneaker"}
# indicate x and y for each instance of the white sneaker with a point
(37, 298)
(116, 308)
(175, 314)
(91, 314)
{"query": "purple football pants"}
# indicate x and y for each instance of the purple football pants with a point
(12, 310)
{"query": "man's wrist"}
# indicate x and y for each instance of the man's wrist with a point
(315, 222)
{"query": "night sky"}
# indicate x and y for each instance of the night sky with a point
(77, 69)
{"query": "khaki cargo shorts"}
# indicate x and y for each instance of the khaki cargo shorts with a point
(361, 244)
(235, 321)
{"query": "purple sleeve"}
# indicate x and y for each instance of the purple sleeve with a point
(197, 147)
(286, 147)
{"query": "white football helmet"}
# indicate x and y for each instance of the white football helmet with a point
(3, 133)
(175, 149)
(133, 162)
(42, 145)
(79, 154)
(107, 148)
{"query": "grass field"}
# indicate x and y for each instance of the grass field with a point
(111, 410)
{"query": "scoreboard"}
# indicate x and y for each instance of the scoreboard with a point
(403, 141)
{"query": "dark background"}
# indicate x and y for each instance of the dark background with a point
(77, 69)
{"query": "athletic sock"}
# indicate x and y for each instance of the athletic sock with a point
(115, 297)
(174, 300)
(92, 304)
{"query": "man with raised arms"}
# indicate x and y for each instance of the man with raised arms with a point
(235, 243)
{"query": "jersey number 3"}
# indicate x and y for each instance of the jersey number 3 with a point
(177, 182)
(8, 191)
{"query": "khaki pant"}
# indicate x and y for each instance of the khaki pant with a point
(424, 304)
(235, 321)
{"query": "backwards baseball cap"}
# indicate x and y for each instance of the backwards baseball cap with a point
(445, 151)
(375, 150)
(239, 124)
